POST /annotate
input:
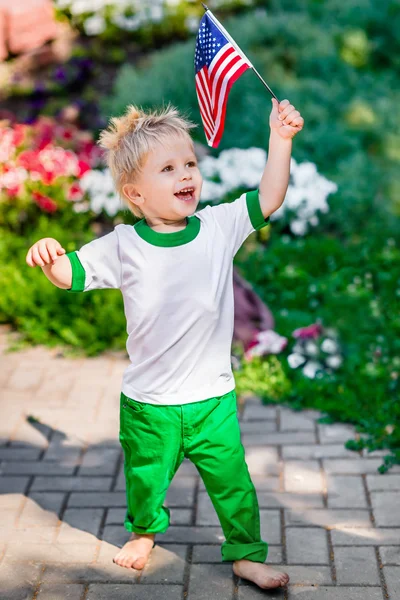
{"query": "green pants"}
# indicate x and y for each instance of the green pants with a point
(156, 439)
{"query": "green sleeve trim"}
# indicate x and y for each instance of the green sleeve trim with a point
(78, 273)
(254, 209)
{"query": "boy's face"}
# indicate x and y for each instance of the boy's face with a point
(167, 170)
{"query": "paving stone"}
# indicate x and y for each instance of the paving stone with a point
(72, 591)
(390, 555)
(329, 434)
(346, 491)
(51, 501)
(211, 581)
(303, 476)
(356, 566)
(386, 507)
(258, 412)
(262, 461)
(59, 553)
(29, 535)
(181, 492)
(384, 482)
(357, 466)
(42, 511)
(18, 454)
(192, 535)
(258, 427)
(255, 593)
(279, 438)
(291, 420)
(69, 484)
(302, 575)
(104, 499)
(307, 546)
(100, 461)
(207, 553)
(82, 519)
(360, 536)
(125, 591)
(166, 565)
(335, 593)
(271, 526)
(13, 484)
(392, 578)
(328, 518)
(313, 451)
(18, 580)
(287, 500)
(36, 468)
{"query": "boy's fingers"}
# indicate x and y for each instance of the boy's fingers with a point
(36, 257)
(60, 250)
(29, 258)
(44, 253)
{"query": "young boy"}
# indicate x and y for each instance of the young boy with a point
(174, 269)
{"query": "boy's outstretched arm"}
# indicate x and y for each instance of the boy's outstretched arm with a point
(48, 254)
(285, 122)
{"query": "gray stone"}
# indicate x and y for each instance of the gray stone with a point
(192, 535)
(392, 578)
(104, 499)
(69, 484)
(384, 482)
(356, 566)
(303, 476)
(360, 536)
(314, 451)
(352, 466)
(279, 438)
(124, 591)
(386, 506)
(296, 421)
(211, 581)
(335, 593)
(72, 591)
(307, 546)
(346, 491)
(329, 518)
(390, 555)
(165, 565)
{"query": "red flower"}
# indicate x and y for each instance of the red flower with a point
(83, 167)
(44, 202)
(311, 332)
(19, 134)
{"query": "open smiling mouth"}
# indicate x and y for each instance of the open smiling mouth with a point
(187, 194)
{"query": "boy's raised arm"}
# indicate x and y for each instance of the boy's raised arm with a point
(48, 254)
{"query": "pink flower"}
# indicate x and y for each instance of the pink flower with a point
(265, 342)
(83, 167)
(44, 202)
(75, 192)
(311, 332)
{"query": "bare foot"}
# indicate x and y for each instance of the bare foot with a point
(259, 573)
(135, 553)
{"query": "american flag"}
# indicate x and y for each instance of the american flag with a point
(218, 64)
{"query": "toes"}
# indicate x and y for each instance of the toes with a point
(139, 563)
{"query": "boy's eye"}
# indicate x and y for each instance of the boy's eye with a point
(191, 162)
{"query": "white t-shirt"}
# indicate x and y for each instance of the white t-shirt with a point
(178, 298)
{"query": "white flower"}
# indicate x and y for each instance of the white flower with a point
(94, 25)
(329, 346)
(311, 368)
(334, 361)
(311, 348)
(295, 360)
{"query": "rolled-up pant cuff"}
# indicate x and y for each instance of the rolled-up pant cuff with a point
(256, 552)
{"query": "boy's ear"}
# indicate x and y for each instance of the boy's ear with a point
(131, 192)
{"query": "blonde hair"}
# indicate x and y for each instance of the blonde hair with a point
(129, 139)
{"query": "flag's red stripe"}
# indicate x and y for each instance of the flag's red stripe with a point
(204, 85)
(220, 126)
(219, 81)
(207, 127)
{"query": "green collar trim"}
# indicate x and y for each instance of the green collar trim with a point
(254, 210)
(177, 238)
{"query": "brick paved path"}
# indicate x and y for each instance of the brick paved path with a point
(331, 520)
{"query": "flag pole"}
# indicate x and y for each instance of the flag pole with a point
(238, 49)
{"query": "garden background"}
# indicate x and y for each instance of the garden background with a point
(328, 267)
